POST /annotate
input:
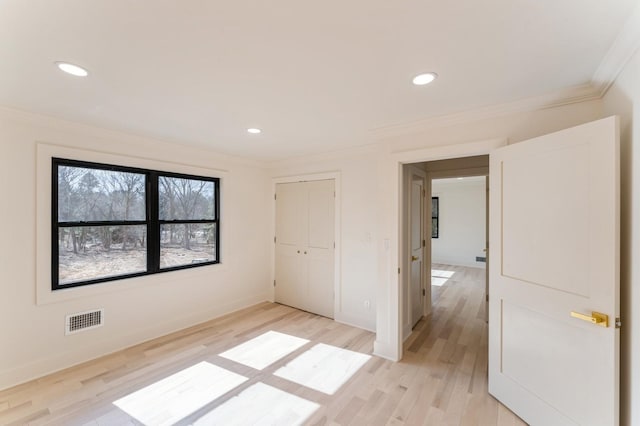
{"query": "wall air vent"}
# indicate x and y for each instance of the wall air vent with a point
(84, 321)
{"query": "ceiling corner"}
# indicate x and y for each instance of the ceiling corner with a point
(623, 48)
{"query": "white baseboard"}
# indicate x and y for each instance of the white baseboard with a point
(355, 321)
(386, 351)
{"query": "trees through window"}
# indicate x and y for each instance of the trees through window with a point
(111, 222)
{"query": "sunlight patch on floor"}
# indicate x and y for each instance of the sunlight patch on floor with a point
(171, 399)
(438, 281)
(440, 277)
(442, 274)
(324, 368)
(260, 404)
(264, 350)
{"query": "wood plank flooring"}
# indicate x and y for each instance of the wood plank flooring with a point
(442, 379)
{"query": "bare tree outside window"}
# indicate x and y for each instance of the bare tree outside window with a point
(187, 212)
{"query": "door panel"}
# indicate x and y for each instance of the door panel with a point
(555, 238)
(321, 214)
(523, 350)
(534, 225)
(289, 219)
(290, 273)
(320, 279)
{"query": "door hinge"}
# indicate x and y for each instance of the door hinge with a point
(487, 297)
(424, 243)
(424, 192)
(424, 292)
(275, 196)
(618, 322)
(274, 283)
(334, 244)
(398, 271)
(274, 240)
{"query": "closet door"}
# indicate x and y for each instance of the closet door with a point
(291, 238)
(320, 247)
(304, 268)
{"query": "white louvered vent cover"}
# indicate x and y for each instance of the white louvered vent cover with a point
(84, 321)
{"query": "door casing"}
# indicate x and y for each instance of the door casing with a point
(390, 294)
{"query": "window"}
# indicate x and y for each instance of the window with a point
(112, 222)
(435, 214)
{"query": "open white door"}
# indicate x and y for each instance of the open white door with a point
(555, 250)
(416, 247)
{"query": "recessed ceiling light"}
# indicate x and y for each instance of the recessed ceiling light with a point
(254, 131)
(72, 69)
(460, 178)
(426, 78)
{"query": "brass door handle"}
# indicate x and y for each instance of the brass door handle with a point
(413, 258)
(596, 318)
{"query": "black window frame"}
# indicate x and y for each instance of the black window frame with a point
(152, 221)
(435, 214)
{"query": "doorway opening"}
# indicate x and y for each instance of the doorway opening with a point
(445, 236)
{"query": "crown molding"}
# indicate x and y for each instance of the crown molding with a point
(566, 96)
(93, 131)
(623, 48)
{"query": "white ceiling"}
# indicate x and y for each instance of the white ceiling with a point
(315, 76)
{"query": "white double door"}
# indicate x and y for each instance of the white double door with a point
(304, 261)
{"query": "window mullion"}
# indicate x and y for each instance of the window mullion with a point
(153, 228)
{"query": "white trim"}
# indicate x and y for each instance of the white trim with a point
(354, 321)
(389, 326)
(445, 152)
(566, 96)
(622, 49)
(384, 350)
(109, 134)
(337, 272)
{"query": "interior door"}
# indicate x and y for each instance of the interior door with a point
(291, 240)
(304, 261)
(554, 234)
(416, 230)
(486, 251)
(320, 251)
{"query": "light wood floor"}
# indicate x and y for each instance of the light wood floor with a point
(442, 379)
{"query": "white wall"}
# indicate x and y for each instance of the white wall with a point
(462, 221)
(623, 98)
(358, 228)
(369, 267)
(32, 340)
